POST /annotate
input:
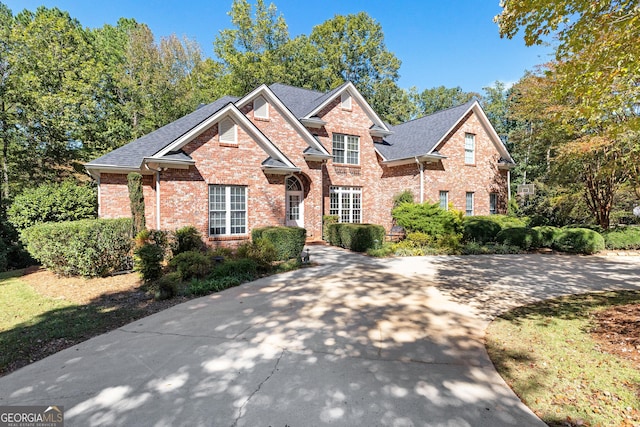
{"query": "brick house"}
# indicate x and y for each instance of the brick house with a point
(283, 155)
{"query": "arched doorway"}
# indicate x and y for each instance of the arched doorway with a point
(295, 202)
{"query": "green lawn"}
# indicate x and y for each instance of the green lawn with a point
(546, 354)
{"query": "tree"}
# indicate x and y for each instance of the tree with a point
(7, 110)
(251, 53)
(596, 51)
(495, 104)
(352, 49)
(440, 98)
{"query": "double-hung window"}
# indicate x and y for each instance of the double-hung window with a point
(227, 210)
(493, 203)
(444, 200)
(469, 149)
(346, 203)
(469, 204)
(346, 149)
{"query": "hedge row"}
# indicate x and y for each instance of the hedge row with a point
(92, 247)
(485, 229)
(356, 237)
(572, 240)
(288, 241)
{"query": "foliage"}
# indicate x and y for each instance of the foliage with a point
(405, 196)
(150, 252)
(480, 229)
(441, 98)
(187, 239)
(260, 250)
(169, 285)
(547, 235)
(287, 241)
(384, 250)
(622, 238)
(579, 241)
(53, 203)
(191, 264)
(522, 237)
(428, 218)
(359, 237)
(245, 269)
(327, 220)
(14, 252)
(136, 202)
(89, 248)
(475, 248)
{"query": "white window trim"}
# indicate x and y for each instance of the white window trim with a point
(345, 151)
(340, 191)
(472, 149)
(227, 200)
(493, 196)
(466, 204)
(446, 195)
(234, 128)
(259, 103)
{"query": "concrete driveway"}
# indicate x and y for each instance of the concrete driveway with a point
(353, 341)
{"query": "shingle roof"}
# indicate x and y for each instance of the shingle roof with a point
(420, 136)
(132, 154)
(300, 101)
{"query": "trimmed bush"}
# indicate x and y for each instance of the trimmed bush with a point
(427, 218)
(188, 239)
(579, 241)
(333, 231)
(53, 203)
(191, 264)
(360, 237)
(244, 269)
(95, 247)
(148, 262)
(260, 250)
(622, 238)
(548, 235)
(169, 285)
(480, 229)
(522, 237)
(288, 241)
(327, 220)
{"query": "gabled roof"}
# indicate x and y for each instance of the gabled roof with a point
(131, 155)
(421, 137)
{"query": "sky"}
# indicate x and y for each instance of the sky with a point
(440, 43)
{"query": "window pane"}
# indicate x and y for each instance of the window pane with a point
(469, 148)
(469, 204)
(338, 148)
(227, 210)
(493, 203)
(444, 200)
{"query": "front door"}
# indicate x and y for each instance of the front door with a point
(295, 202)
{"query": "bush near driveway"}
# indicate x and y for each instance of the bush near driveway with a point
(356, 237)
(89, 248)
(522, 237)
(622, 238)
(288, 241)
(579, 241)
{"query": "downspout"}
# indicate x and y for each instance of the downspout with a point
(421, 167)
(99, 198)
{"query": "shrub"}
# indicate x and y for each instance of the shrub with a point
(357, 237)
(53, 203)
(622, 238)
(522, 237)
(579, 241)
(427, 218)
(480, 229)
(87, 248)
(334, 234)
(188, 239)
(148, 261)
(169, 285)
(548, 235)
(191, 264)
(244, 269)
(260, 250)
(13, 250)
(475, 248)
(288, 241)
(327, 220)
(405, 196)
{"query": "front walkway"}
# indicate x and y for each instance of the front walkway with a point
(352, 341)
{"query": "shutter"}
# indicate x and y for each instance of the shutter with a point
(227, 131)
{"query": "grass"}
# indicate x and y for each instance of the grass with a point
(546, 353)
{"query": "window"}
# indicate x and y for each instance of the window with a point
(493, 203)
(444, 200)
(469, 149)
(469, 204)
(227, 210)
(346, 149)
(227, 131)
(346, 203)
(260, 108)
(345, 100)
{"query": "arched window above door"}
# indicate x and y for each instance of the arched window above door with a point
(293, 184)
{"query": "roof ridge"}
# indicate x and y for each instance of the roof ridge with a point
(437, 112)
(297, 87)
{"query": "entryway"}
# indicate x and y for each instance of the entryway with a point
(295, 202)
